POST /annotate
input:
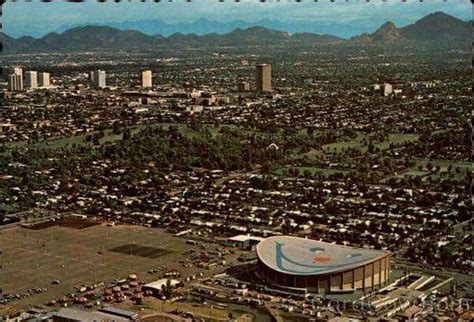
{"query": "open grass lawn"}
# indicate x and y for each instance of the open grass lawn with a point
(444, 164)
(445, 175)
(441, 174)
(443, 171)
(396, 138)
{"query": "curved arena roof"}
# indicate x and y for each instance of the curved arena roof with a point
(300, 256)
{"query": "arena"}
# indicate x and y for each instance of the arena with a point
(317, 267)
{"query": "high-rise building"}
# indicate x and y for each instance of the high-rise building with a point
(15, 79)
(387, 89)
(43, 80)
(31, 79)
(147, 78)
(12, 82)
(17, 71)
(98, 78)
(264, 78)
(243, 87)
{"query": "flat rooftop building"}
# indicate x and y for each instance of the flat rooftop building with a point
(387, 89)
(15, 79)
(264, 78)
(31, 79)
(98, 78)
(318, 267)
(147, 78)
(244, 241)
(157, 286)
(15, 82)
(43, 80)
(119, 312)
(76, 315)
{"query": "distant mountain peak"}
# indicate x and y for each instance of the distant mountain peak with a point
(437, 17)
(387, 32)
(90, 28)
(437, 26)
(438, 14)
(388, 25)
(259, 28)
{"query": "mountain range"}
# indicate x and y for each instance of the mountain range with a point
(438, 27)
(204, 26)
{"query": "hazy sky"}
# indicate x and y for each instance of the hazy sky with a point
(38, 18)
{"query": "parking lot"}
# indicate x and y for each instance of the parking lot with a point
(36, 258)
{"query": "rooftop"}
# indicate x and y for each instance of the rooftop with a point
(157, 285)
(73, 314)
(241, 238)
(119, 312)
(300, 256)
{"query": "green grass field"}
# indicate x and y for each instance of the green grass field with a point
(357, 143)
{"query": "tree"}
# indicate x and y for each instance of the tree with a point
(95, 139)
(167, 289)
(126, 134)
(429, 166)
(116, 127)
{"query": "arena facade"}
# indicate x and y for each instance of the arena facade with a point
(316, 267)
